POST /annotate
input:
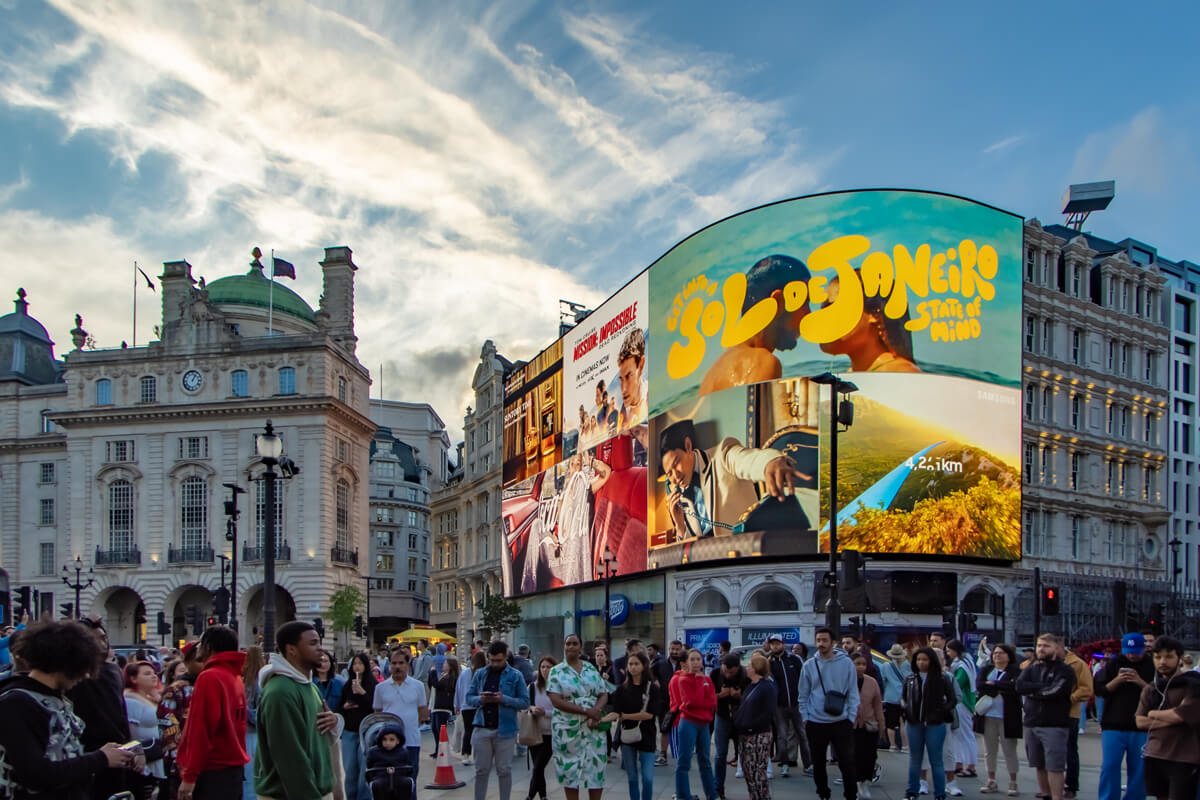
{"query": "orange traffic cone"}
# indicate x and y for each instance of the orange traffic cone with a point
(444, 778)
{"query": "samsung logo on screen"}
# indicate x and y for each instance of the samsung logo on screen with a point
(996, 397)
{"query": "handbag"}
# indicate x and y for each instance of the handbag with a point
(984, 704)
(634, 735)
(456, 737)
(835, 702)
(529, 733)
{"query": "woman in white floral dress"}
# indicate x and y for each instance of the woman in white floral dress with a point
(580, 748)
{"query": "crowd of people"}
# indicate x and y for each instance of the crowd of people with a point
(215, 721)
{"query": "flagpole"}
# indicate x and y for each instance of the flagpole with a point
(271, 297)
(135, 271)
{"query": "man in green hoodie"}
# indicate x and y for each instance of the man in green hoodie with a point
(292, 760)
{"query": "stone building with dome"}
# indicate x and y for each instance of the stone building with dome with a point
(119, 456)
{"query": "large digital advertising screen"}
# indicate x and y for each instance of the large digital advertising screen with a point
(690, 429)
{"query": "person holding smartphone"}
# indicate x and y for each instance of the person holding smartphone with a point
(356, 701)
(1120, 684)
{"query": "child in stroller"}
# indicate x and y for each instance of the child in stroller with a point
(389, 765)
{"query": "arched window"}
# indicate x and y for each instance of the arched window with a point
(193, 503)
(287, 380)
(709, 601)
(149, 389)
(343, 514)
(772, 598)
(104, 392)
(239, 383)
(260, 515)
(120, 516)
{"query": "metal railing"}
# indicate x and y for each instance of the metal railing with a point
(118, 558)
(342, 555)
(282, 553)
(190, 555)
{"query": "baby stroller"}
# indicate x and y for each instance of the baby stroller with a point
(393, 781)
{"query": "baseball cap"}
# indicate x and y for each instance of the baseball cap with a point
(774, 637)
(1133, 644)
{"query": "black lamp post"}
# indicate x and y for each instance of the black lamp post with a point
(608, 568)
(840, 413)
(1175, 544)
(232, 514)
(270, 448)
(78, 585)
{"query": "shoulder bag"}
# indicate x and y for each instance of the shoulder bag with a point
(835, 702)
(634, 735)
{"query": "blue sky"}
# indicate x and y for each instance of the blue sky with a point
(485, 159)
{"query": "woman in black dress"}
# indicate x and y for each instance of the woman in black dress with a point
(638, 701)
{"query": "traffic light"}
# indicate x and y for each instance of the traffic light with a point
(195, 619)
(210, 621)
(868, 633)
(968, 623)
(856, 627)
(852, 570)
(163, 628)
(139, 616)
(23, 600)
(1050, 601)
(948, 621)
(360, 629)
(1156, 618)
(67, 610)
(221, 604)
(319, 624)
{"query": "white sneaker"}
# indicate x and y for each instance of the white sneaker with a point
(864, 790)
(924, 787)
(468, 761)
(770, 771)
(784, 770)
(953, 790)
(739, 771)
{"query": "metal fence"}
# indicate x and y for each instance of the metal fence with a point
(1094, 608)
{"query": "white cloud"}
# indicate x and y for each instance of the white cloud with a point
(475, 175)
(1004, 144)
(1144, 155)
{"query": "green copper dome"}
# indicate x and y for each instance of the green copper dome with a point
(253, 289)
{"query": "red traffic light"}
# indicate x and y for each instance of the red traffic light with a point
(1050, 594)
(211, 621)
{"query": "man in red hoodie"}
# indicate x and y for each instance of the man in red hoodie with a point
(213, 750)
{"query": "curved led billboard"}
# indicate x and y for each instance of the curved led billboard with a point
(691, 428)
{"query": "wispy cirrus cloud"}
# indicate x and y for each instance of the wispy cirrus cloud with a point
(1004, 144)
(478, 170)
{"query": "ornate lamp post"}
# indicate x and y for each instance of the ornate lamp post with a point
(232, 513)
(78, 585)
(608, 568)
(270, 448)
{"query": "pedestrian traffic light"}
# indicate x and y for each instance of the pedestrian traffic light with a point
(359, 627)
(163, 628)
(319, 624)
(852, 570)
(195, 619)
(67, 610)
(1050, 601)
(221, 604)
(1156, 617)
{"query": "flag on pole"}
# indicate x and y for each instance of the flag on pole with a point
(281, 268)
(149, 283)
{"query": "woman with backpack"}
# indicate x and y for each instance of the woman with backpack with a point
(638, 701)
(928, 704)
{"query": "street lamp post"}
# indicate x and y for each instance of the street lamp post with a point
(231, 518)
(608, 567)
(1174, 544)
(78, 585)
(839, 414)
(270, 448)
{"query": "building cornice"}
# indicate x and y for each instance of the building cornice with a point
(278, 408)
(34, 444)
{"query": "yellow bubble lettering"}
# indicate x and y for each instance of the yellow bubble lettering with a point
(922, 320)
(741, 328)
(912, 273)
(817, 291)
(795, 295)
(682, 360)
(839, 318)
(877, 275)
(711, 319)
(937, 274)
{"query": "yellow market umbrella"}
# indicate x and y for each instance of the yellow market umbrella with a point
(417, 634)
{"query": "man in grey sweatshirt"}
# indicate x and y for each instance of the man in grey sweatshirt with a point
(829, 704)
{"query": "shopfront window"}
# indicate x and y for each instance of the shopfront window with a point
(639, 612)
(709, 601)
(772, 598)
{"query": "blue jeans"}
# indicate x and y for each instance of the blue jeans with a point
(356, 767)
(248, 792)
(694, 739)
(637, 761)
(721, 739)
(931, 739)
(1118, 746)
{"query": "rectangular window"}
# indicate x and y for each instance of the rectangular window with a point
(103, 392)
(412, 518)
(260, 515)
(1151, 374)
(1111, 482)
(412, 586)
(342, 515)
(1029, 463)
(1047, 404)
(1030, 333)
(47, 423)
(341, 389)
(1075, 461)
(1030, 392)
(120, 516)
(385, 563)
(1030, 271)
(1112, 411)
(1076, 280)
(1046, 476)
(149, 387)
(1047, 337)
(193, 447)
(117, 451)
(47, 515)
(1112, 354)
(1076, 411)
(46, 558)
(383, 538)
(412, 541)
(240, 383)
(385, 514)
(412, 566)
(385, 469)
(1076, 346)
(1125, 422)
(194, 514)
(47, 472)
(1148, 427)
(1121, 478)
(1125, 359)
(287, 380)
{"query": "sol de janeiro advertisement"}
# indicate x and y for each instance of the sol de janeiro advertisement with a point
(868, 281)
(605, 381)
(930, 465)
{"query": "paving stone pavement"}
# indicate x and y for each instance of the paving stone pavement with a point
(891, 785)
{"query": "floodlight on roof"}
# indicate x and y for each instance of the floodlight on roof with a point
(1081, 199)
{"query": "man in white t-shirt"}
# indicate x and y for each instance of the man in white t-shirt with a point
(405, 697)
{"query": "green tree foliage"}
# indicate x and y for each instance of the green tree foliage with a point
(344, 606)
(500, 615)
